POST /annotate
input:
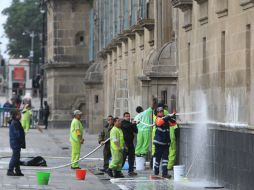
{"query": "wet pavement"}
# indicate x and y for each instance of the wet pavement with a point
(54, 146)
(144, 183)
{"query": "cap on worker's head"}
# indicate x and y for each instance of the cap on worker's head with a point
(159, 109)
(77, 112)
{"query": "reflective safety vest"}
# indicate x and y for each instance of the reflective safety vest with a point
(146, 117)
(116, 135)
(76, 125)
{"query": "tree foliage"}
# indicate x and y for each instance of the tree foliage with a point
(23, 17)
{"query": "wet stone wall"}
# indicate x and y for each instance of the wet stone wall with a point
(228, 159)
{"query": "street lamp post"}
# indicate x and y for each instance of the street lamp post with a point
(43, 11)
(32, 35)
(31, 54)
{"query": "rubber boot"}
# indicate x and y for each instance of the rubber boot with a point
(118, 174)
(19, 173)
(167, 176)
(10, 173)
(156, 170)
(110, 172)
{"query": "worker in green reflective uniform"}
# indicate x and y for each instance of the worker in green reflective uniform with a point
(116, 147)
(76, 138)
(26, 118)
(144, 130)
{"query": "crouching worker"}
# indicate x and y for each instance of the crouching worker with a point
(162, 141)
(116, 147)
(76, 138)
(17, 141)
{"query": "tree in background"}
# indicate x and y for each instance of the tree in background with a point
(23, 17)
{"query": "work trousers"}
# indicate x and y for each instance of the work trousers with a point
(106, 155)
(172, 149)
(15, 161)
(117, 160)
(143, 142)
(130, 152)
(161, 152)
(75, 153)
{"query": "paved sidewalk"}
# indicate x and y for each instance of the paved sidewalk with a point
(49, 144)
(54, 146)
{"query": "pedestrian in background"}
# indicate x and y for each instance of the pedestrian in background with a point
(129, 130)
(7, 108)
(17, 141)
(76, 138)
(46, 114)
(104, 135)
(26, 118)
(27, 99)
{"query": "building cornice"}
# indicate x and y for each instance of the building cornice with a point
(146, 23)
(182, 4)
(246, 4)
(200, 1)
(138, 29)
(122, 38)
(130, 34)
(65, 65)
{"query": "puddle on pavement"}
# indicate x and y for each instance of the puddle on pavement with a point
(143, 183)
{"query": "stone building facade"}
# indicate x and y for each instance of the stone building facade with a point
(136, 42)
(215, 51)
(215, 56)
(196, 57)
(67, 59)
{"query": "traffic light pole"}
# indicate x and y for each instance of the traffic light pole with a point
(43, 11)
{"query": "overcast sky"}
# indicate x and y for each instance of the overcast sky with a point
(3, 39)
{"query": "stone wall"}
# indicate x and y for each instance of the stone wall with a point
(67, 59)
(229, 160)
(215, 51)
(66, 92)
(215, 56)
(68, 31)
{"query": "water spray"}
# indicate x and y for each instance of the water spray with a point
(188, 113)
(172, 114)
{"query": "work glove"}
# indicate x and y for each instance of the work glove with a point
(172, 118)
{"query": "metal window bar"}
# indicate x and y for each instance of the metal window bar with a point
(5, 117)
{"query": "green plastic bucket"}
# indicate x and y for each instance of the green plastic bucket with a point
(43, 178)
